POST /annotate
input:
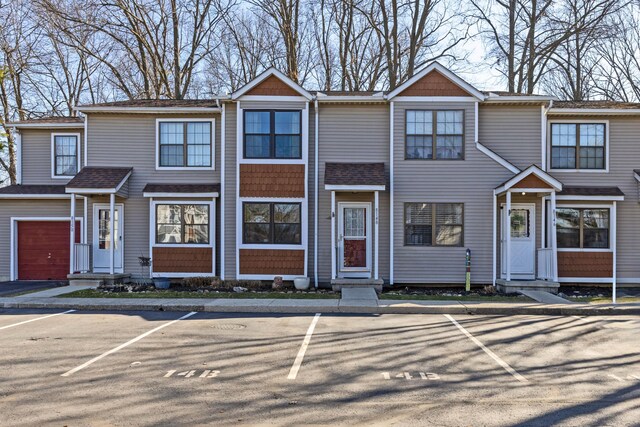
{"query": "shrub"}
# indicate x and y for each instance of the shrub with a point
(201, 282)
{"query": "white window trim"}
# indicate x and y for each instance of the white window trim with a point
(187, 168)
(13, 273)
(304, 219)
(304, 138)
(612, 227)
(549, 144)
(53, 153)
(212, 225)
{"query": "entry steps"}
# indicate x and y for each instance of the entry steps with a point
(339, 284)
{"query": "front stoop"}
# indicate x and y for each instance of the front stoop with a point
(515, 286)
(339, 284)
(97, 279)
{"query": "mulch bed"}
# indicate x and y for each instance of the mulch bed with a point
(486, 291)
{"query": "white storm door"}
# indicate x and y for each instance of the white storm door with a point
(523, 241)
(102, 239)
(354, 240)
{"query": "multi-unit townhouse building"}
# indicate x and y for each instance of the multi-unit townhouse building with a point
(274, 180)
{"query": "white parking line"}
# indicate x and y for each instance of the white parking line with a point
(121, 346)
(293, 373)
(494, 356)
(37, 318)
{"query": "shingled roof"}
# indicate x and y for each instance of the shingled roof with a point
(182, 188)
(32, 190)
(157, 103)
(97, 177)
(597, 105)
(590, 191)
(355, 174)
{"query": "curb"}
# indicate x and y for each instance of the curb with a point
(387, 308)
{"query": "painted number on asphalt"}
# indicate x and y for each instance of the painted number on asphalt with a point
(407, 376)
(192, 374)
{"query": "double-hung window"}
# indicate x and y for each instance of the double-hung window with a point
(182, 224)
(272, 223)
(65, 155)
(584, 228)
(433, 224)
(437, 135)
(578, 146)
(185, 144)
(274, 134)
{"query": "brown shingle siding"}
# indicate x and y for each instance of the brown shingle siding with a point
(259, 180)
(585, 264)
(273, 86)
(531, 181)
(271, 261)
(434, 84)
(182, 260)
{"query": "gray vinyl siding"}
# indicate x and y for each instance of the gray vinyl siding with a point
(470, 181)
(129, 140)
(229, 191)
(351, 133)
(624, 157)
(27, 208)
(36, 155)
(513, 132)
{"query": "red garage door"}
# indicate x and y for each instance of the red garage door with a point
(43, 249)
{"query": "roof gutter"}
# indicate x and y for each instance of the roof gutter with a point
(18, 125)
(594, 111)
(149, 110)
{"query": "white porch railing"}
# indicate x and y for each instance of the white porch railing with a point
(545, 264)
(82, 262)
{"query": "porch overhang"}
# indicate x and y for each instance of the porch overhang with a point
(181, 190)
(532, 180)
(591, 194)
(355, 177)
(100, 180)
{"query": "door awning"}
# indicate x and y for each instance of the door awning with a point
(355, 177)
(100, 180)
(532, 179)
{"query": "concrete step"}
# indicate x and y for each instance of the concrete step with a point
(339, 284)
(94, 283)
(514, 286)
(360, 293)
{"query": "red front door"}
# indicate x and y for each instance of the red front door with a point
(43, 249)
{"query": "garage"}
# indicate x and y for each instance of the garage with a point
(43, 249)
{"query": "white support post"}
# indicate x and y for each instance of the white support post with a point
(72, 235)
(376, 199)
(333, 235)
(85, 237)
(391, 192)
(507, 238)
(112, 208)
(495, 236)
(554, 236)
(614, 239)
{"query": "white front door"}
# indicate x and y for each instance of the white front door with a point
(102, 240)
(354, 240)
(523, 241)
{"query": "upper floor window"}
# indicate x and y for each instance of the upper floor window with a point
(434, 134)
(433, 224)
(578, 146)
(65, 155)
(583, 228)
(185, 144)
(272, 134)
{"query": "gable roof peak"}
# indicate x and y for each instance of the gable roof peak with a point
(271, 72)
(450, 75)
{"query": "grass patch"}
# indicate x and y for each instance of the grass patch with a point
(604, 300)
(91, 293)
(485, 298)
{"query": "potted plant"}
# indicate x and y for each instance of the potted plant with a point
(145, 263)
(161, 282)
(301, 283)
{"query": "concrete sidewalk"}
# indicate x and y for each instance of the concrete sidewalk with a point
(319, 306)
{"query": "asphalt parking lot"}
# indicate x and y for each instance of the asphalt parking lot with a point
(168, 368)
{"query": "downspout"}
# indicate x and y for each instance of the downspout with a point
(223, 148)
(391, 198)
(18, 140)
(315, 196)
(86, 138)
(543, 133)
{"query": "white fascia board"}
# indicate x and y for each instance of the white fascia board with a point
(268, 73)
(19, 125)
(591, 198)
(347, 98)
(593, 111)
(497, 158)
(71, 190)
(35, 196)
(150, 110)
(525, 99)
(443, 70)
(182, 195)
(557, 185)
(355, 187)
